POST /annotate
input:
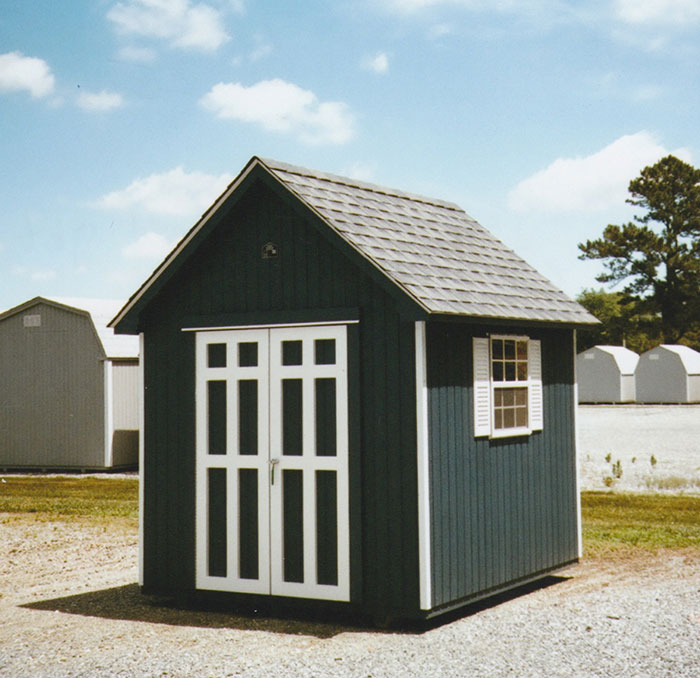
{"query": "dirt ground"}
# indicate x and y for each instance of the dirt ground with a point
(70, 606)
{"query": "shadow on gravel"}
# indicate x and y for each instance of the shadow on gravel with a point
(127, 603)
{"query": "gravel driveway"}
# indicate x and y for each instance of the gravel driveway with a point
(70, 607)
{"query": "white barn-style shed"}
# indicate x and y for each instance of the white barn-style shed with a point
(606, 374)
(69, 396)
(669, 373)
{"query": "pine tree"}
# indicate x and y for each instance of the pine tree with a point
(658, 254)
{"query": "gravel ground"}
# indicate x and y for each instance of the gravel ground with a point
(632, 434)
(70, 607)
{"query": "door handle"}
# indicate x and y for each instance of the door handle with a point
(273, 463)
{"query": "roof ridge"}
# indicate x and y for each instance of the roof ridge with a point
(357, 183)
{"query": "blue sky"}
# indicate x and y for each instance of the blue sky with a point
(120, 122)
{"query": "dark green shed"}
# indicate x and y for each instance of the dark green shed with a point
(353, 397)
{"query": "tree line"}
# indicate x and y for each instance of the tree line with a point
(657, 257)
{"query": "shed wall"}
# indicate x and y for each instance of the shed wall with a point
(599, 379)
(228, 282)
(661, 378)
(52, 393)
(502, 509)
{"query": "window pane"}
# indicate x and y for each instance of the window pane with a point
(291, 352)
(498, 419)
(510, 371)
(521, 417)
(324, 350)
(522, 372)
(508, 418)
(498, 371)
(216, 355)
(508, 397)
(497, 349)
(498, 397)
(522, 350)
(509, 349)
(248, 354)
(520, 396)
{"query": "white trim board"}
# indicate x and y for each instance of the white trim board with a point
(269, 326)
(422, 440)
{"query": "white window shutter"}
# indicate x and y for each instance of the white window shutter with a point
(534, 357)
(482, 386)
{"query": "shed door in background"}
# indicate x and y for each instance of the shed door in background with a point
(272, 460)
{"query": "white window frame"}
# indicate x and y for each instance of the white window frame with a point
(485, 387)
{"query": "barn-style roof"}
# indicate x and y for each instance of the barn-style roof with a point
(689, 358)
(99, 311)
(432, 250)
(625, 359)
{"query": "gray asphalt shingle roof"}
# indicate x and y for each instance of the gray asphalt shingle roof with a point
(431, 249)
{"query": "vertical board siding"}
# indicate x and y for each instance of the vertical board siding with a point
(227, 275)
(52, 391)
(501, 509)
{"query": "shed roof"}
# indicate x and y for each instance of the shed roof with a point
(432, 250)
(690, 359)
(625, 359)
(100, 311)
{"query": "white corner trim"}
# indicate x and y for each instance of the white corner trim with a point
(109, 411)
(577, 458)
(423, 467)
(142, 420)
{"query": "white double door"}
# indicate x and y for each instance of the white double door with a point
(272, 461)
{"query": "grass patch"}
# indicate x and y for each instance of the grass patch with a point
(620, 524)
(85, 499)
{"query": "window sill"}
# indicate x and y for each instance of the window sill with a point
(510, 432)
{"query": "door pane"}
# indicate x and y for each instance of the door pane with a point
(216, 355)
(327, 527)
(292, 417)
(248, 354)
(248, 522)
(293, 525)
(248, 416)
(291, 352)
(325, 417)
(324, 351)
(217, 522)
(216, 396)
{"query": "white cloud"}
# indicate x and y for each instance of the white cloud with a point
(515, 6)
(379, 63)
(148, 246)
(360, 172)
(280, 106)
(34, 274)
(137, 54)
(100, 102)
(654, 12)
(19, 72)
(595, 182)
(180, 22)
(174, 193)
(261, 50)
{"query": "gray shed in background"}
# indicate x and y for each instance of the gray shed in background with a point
(606, 374)
(668, 374)
(69, 394)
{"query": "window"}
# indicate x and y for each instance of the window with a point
(507, 386)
